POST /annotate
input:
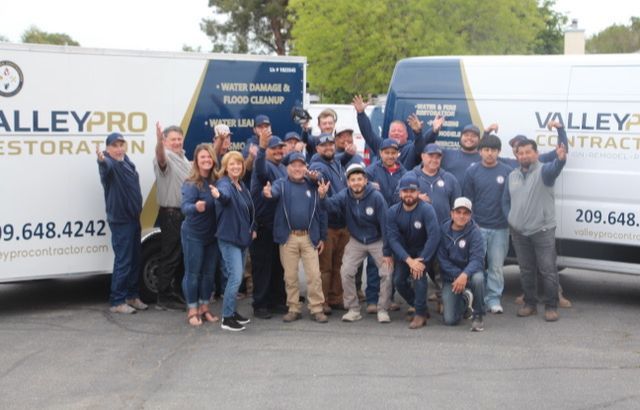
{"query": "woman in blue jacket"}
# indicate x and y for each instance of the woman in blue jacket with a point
(235, 231)
(198, 236)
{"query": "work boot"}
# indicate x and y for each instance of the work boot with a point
(291, 317)
(319, 317)
(527, 310)
(563, 302)
(418, 322)
(326, 309)
(551, 315)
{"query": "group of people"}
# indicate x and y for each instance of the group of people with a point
(418, 211)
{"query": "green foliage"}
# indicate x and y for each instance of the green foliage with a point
(616, 39)
(241, 26)
(550, 40)
(353, 46)
(34, 35)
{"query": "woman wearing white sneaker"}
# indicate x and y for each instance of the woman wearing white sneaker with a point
(236, 229)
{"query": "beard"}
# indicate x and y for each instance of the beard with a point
(409, 201)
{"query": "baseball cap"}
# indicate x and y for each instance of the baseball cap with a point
(292, 135)
(261, 119)
(222, 129)
(513, 141)
(471, 128)
(113, 137)
(326, 138)
(408, 181)
(354, 168)
(462, 202)
(389, 143)
(295, 156)
(274, 142)
(432, 148)
(343, 128)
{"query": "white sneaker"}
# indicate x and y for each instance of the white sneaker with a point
(137, 304)
(383, 316)
(497, 309)
(352, 316)
(122, 308)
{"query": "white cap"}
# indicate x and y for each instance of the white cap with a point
(462, 202)
(343, 128)
(222, 129)
(356, 167)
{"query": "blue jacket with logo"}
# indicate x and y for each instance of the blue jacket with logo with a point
(414, 233)
(442, 188)
(122, 194)
(235, 213)
(332, 171)
(387, 181)
(460, 251)
(200, 226)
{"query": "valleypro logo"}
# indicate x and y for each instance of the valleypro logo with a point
(11, 79)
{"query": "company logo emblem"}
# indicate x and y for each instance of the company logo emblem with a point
(440, 183)
(369, 211)
(417, 224)
(500, 179)
(462, 244)
(308, 194)
(11, 79)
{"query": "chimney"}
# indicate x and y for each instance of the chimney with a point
(573, 39)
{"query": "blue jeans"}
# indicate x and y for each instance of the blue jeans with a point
(537, 253)
(232, 268)
(454, 303)
(373, 282)
(497, 244)
(415, 293)
(200, 260)
(125, 240)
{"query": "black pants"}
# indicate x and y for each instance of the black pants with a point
(266, 270)
(171, 268)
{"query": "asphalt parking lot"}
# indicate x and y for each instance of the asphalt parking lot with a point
(61, 348)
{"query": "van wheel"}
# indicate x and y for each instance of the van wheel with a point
(150, 265)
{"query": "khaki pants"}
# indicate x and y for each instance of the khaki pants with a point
(330, 263)
(354, 254)
(296, 248)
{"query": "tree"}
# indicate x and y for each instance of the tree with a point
(616, 39)
(249, 25)
(550, 40)
(352, 47)
(34, 35)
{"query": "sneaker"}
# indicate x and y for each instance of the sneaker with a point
(240, 319)
(477, 325)
(371, 309)
(229, 323)
(418, 322)
(137, 304)
(319, 317)
(169, 303)
(122, 308)
(551, 315)
(352, 316)
(468, 298)
(383, 317)
(291, 317)
(527, 311)
(262, 313)
(497, 309)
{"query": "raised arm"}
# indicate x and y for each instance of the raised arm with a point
(370, 137)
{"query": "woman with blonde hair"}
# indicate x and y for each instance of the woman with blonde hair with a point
(198, 236)
(236, 229)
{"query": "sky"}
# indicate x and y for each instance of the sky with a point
(168, 25)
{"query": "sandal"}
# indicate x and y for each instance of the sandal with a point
(207, 316)
(195, 323)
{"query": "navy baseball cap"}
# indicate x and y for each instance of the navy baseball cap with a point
(408, 181)
(292, 135)
(432, 148)
(326, 138)
(113, 137)
(261, 119)
(471, 128)
(389, 143)
(275, 142)
(296, 156)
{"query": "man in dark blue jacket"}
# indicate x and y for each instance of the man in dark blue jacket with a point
(414, 235)
(267, 273)
(461, 257)
(300, 228)
(123, 199)
(365, 210)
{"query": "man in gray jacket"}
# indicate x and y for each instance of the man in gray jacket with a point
(529, 203)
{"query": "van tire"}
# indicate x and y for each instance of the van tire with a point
(150, 264)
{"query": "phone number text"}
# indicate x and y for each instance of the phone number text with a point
(50, 230)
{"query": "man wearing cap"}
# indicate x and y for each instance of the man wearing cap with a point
(409, 150)
(300, 228)
(461, 256)
(365, 211)
(123, 200)
(330, 169)
(414, 236)
(327, 124)
(484, 184)
(267, 273)
(171, 168)
(529, 202)
(293, 143)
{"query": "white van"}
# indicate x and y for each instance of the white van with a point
(596, 97)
